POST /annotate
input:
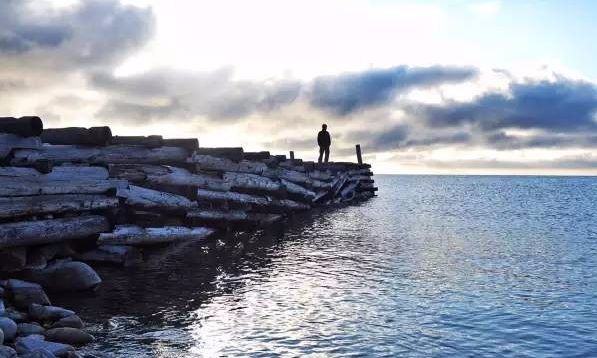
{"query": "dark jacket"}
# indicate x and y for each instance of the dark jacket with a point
(323, 139)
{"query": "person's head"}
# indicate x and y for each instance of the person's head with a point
(324, 126)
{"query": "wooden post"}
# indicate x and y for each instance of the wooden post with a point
(359, 157)
(291, 155)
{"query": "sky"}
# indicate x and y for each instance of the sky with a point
(432, 87)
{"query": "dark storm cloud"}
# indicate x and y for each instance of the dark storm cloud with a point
(350, 92)
(90, 33)
(404, 136)
(503, 141)
(435, 140)
(559, 106)
(556, 114)
(20, 31)
(26, 38)
(391, 138)
(46, 49)
(109, 31)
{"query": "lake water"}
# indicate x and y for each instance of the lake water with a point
(442, 266)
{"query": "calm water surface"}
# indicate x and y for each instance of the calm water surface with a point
(434, 266)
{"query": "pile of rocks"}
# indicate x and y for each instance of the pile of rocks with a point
(31, 327)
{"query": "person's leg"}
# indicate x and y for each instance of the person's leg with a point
(327, 154)
(320, 154)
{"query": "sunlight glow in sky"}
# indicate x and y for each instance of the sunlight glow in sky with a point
(462, 86)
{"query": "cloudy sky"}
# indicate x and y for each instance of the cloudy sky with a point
(454, 86)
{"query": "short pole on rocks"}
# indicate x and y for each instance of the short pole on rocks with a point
(359, 157)
(292, 155)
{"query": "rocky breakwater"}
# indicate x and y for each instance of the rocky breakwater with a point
(75, 197)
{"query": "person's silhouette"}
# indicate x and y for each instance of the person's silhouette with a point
(324, 141)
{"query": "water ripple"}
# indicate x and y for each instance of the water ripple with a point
(435, 266)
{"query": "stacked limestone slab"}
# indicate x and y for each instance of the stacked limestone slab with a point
(72, 196)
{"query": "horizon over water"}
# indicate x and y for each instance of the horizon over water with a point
(443, 266)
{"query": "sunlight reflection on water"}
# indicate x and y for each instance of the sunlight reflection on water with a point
(434, 266)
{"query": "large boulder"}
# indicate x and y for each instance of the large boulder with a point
(9, 327)
(34, 342)
(13, 259)
(68, 335)
(73, 321)
(27, 329)
(7, 352)
(48, 313)
(64, 275)
(26, 293)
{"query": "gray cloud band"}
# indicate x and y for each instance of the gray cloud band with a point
(93, 37)
(92, 33)
(350, 92)
(563, 105)
(559, 114)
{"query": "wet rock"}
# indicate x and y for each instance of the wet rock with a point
(27, 329)
(38, 257)
(9, 327)
(7, 352)
(65, 275)
(40, 353)
(26, 293)
(1, 337)
(68, 335)
(36, 262)
(73, 321)
(13, 259)
(48, 313)
(16, 316)
(34, 343)
(113, 254)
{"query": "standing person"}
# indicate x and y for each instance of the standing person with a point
(324, 141)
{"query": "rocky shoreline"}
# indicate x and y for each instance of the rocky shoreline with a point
(31, 327)
(75, 197)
